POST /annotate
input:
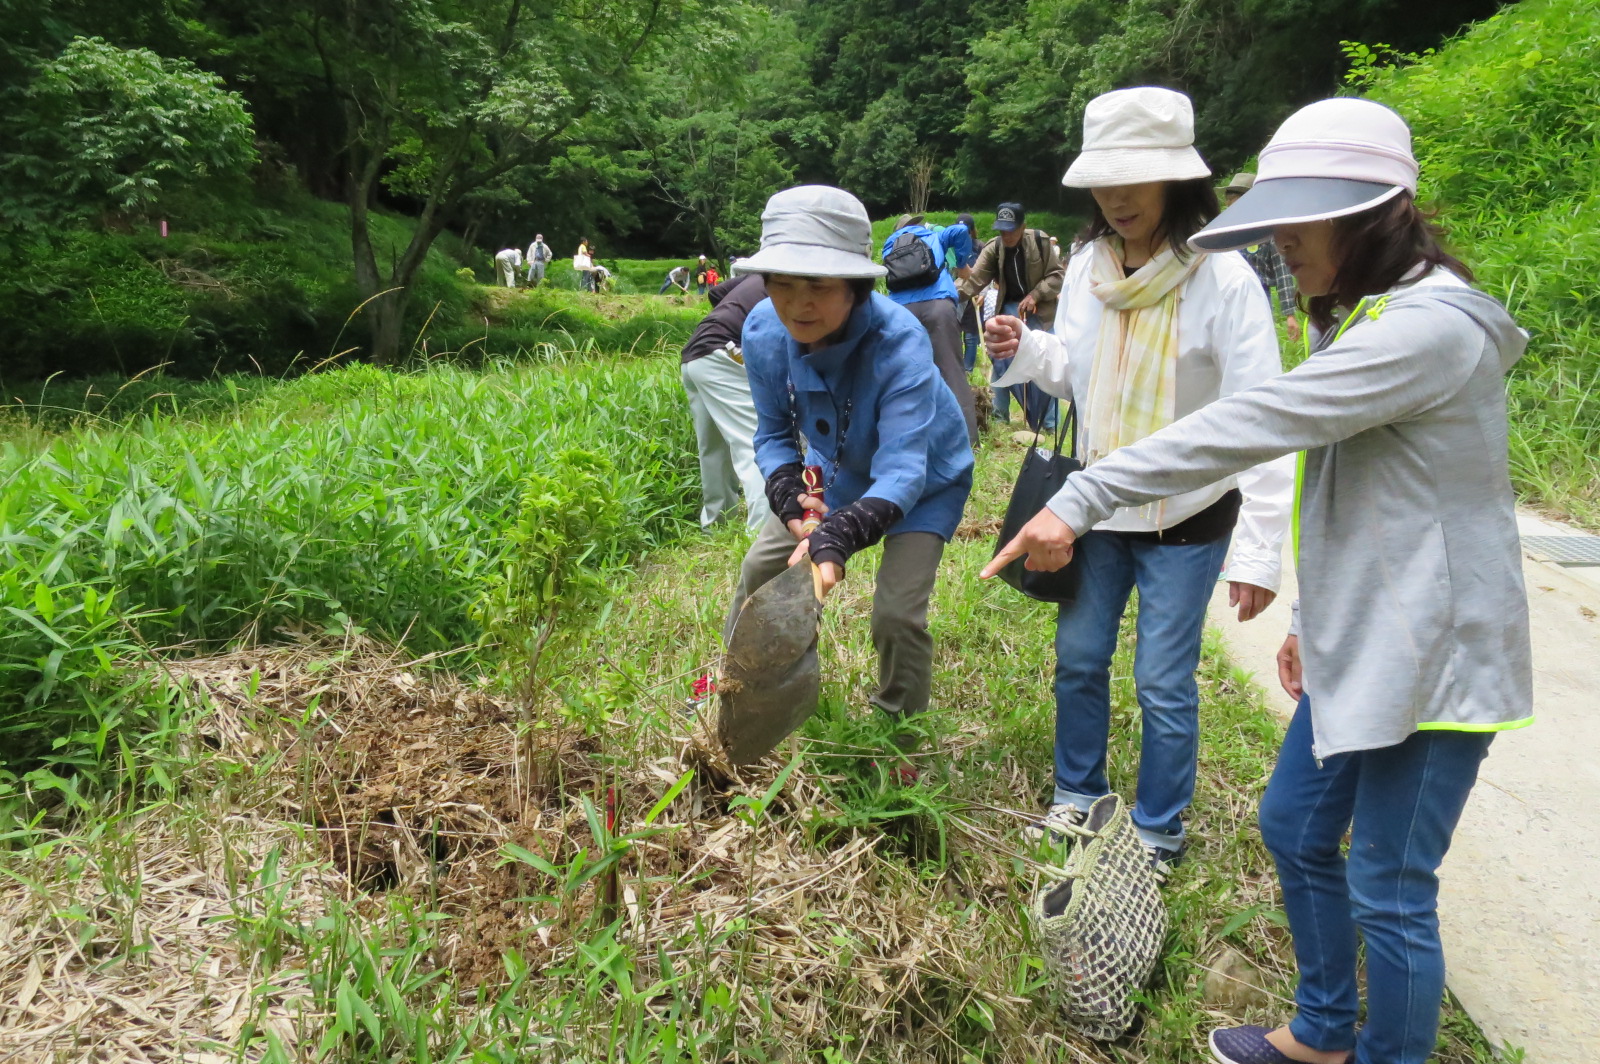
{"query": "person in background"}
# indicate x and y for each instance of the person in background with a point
(719, 401)
(1266, 261)
(602, 278)
(677, 277)
(583, 264)
(1027, 274)
(713, 278)
(1146, 332)
(507, 260)
(918, 278)
(971, 327)
(538, 257)
(702, 275)
(1409, 649)
(852, 372)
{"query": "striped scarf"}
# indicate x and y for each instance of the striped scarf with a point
(1133, 385)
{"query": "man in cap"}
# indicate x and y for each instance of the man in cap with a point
(1027, 270)
(539, 256)
(1265, 260)
(702, 275)
(919, 279)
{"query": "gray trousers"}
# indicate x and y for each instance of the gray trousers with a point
(725, 428)
(899, 608)
(938, 317)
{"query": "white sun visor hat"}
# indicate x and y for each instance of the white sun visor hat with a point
(1135, 135)
(814, 231)
(1327, 160)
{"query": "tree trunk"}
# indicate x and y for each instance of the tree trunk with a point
(388, 319)
(389, 310)
(920, 178)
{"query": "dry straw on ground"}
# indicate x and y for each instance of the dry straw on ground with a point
(415, 785)
(120, 950)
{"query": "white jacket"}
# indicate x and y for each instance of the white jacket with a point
(1226, 343)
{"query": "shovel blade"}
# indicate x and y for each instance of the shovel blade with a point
(770, 679)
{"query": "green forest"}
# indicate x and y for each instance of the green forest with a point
(656, 127)
(350, 601)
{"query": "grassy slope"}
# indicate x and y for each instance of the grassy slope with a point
(942, 855)
(246, 286)
(1506, 120)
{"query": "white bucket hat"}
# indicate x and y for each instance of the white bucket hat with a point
(1135, 135)
(1327, 160)
(814, 231)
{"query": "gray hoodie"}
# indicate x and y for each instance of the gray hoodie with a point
(1412, 612)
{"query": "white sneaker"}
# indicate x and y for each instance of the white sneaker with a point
(1055, 823)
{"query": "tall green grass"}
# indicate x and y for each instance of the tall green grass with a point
(537, 323)
(1506, 122)
(351, 499)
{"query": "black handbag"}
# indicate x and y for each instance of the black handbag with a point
(1043, 473)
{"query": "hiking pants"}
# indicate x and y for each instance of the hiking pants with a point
(899, 608)
(725, 428)
(938, 317)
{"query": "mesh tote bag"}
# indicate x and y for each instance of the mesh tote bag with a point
(1101, 927)
(1042, 475)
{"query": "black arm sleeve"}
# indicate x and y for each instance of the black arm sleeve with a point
(784, 488)
(852, 528)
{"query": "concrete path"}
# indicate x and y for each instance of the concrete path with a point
(1520, 902)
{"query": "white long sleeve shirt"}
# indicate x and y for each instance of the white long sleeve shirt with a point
(1226, 343)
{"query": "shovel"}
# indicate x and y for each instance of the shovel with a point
(769, 680)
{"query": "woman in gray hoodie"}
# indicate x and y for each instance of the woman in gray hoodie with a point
(1409, 649)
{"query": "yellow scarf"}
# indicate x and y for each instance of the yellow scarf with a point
(1134, 383)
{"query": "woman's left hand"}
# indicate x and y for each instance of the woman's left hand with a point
(831, 573)
(1046, 540)
(1250, 599)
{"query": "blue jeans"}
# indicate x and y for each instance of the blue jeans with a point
(970, 351)
(1039, 408)
(1401, 805)
(1175, 584)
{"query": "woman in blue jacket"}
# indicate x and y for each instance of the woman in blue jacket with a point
(843, 378)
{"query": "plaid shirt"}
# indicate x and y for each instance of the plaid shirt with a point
(1274, 274)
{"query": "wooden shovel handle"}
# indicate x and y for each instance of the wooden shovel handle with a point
(812, 478)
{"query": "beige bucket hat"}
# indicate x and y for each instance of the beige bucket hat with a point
(1135, 135)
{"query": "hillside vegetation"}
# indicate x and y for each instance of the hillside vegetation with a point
(294, 789)
(1506, 121)
(357, 497)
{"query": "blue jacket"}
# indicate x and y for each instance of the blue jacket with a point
(954, 238)
(906, 440)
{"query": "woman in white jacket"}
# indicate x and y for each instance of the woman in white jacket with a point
(1146, 332)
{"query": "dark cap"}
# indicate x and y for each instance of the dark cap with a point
(1009, 216)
